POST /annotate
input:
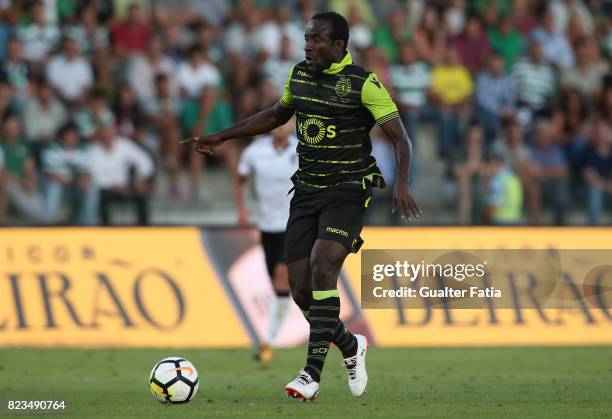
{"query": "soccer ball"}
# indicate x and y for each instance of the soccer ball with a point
(174, 380)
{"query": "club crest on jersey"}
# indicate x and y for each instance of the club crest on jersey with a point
(343, 86)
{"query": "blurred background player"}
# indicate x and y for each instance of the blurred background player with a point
(270, 161)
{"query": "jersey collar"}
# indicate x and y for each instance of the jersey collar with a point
(335, 68)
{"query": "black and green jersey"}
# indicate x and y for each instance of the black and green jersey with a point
(334, 115)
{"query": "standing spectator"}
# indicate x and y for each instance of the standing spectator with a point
(163, 112)
(452, 88)
(585, 75)
(43, 115)
(507, 41)
(472, 45)
(66, 167)
(534, 80)
(133, 34)
(468, 169)
(548, 182)
(505, 193)
(598, 171)
(556, 49)
(143, 69)
(21, 181)
(494, 97)
(39, 38)
(70, 73)
(121, 170)
(197, 72)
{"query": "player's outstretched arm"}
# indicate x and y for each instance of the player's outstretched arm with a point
(260, 123)
(402, 197)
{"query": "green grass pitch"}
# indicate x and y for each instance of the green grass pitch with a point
(455, 382)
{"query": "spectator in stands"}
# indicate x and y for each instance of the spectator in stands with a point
(88, 34)
(430, 37)
(128, 113)
(598, 170)
(585, 75)
(21, 175)
(455, 17)
(548, 175)
(452, 89)
(556, 48)
(512, 146)
(495, 100)
(504, 193)
(143, 68)
(133, 34)
(563, 10)
(275, 70)
(43, 113)
(472, 45)
(507, 41)
(94, 114)
(163, 113)
(69, 73)
(534, 81)
(410, 83)
(8, 102)
(15, 70)
(66, 166)
(389, 36)
(39, 38)
(122, 172)
(468, 169)
(197, 72)
(361, 34)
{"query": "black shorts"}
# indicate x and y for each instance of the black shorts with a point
(331, 214)
(274, 250)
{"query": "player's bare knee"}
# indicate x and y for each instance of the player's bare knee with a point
(324, 272)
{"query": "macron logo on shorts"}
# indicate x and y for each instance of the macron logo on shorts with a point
(337, 231)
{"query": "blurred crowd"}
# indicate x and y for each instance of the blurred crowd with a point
(95, 94)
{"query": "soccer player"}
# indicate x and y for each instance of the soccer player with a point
(336, 104)
(271, 161)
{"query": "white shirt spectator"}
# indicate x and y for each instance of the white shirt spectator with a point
(271, 170)
(70, 77)
(562, 13)
(141, 75)
(192, 80)
(411, 83)
(110, 167)
(557, 49)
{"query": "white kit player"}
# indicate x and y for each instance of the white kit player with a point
(270, 160)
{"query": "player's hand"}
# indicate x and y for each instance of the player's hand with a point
(204, 144)
(404, 203)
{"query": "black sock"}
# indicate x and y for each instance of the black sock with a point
(344, 340)
(324, 316)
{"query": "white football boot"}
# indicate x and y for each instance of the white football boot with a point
(356, 368)
(303, 387)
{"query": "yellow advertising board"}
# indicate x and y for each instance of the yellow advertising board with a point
(112, 287)
(460, 327)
